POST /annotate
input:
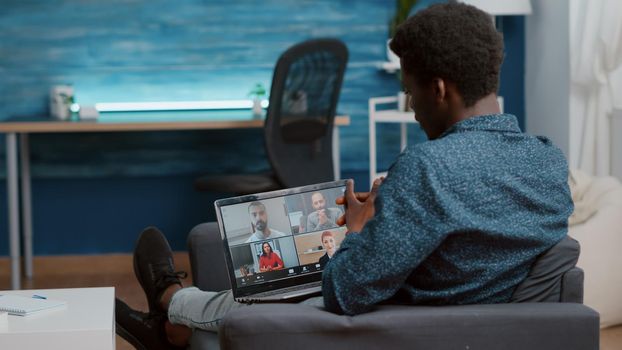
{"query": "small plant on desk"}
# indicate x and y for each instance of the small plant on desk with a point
(258, 92)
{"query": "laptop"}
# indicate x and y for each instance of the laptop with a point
(276, 245)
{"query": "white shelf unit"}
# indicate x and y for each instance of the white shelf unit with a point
(385, 116)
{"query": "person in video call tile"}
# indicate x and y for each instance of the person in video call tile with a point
(322, 218)
(269, 260)
(259, 222)
(328, 243)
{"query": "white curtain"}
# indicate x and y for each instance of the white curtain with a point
(595, 54)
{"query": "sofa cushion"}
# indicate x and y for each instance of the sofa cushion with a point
(493, 326)
(543, 283)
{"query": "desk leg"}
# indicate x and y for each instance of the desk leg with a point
(26, 203)
(372, 144)
(336, 154)
(13, 203)
(403, 136)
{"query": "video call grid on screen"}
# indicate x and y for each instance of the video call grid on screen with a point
(295, 236)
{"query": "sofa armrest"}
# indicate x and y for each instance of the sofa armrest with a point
(572, 286)
(496, 326)
(552, 274)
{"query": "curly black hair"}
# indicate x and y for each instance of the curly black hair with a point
(452, 41)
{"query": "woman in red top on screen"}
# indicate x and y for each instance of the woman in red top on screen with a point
(269, 260)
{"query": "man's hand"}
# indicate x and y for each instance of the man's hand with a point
(359, 206)
(322, 218)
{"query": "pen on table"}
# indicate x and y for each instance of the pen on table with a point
(39, 296)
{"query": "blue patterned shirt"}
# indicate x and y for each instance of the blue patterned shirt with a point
(459, 220)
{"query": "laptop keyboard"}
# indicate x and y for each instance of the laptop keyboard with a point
(288, 289)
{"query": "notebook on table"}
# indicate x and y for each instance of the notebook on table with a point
(273, 241)
(21, 305)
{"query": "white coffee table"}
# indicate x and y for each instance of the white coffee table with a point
(86, 323)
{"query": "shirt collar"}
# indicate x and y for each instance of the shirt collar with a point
(489, 122)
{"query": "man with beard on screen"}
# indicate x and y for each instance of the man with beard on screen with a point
(321, 218)
(259, 223)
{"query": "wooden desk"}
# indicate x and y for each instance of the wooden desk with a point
(108, 122)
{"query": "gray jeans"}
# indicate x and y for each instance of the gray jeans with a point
(195, 308)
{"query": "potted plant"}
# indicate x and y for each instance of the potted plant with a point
(61, 101)
(402, 11)
(257, 93)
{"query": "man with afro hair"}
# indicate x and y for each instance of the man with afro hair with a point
(459, 219)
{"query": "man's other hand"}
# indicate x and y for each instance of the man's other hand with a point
(322, 218)
(359, 206)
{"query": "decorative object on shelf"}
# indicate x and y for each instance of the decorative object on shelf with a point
(258, 92)
(61, 101)
(402, 11)
(403, 102)
(393, 59)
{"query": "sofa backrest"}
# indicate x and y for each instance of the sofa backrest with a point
(553, 276)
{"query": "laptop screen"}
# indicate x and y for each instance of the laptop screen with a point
(281, 234)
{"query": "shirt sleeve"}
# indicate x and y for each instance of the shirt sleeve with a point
(278, 259)
(372, 265)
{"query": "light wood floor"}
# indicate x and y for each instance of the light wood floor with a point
(116, 270)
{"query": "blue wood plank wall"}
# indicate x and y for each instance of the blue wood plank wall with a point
(90, 186)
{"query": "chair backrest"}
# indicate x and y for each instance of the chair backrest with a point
(300, 119)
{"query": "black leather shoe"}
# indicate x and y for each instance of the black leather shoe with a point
(142, 330)
(154, 267)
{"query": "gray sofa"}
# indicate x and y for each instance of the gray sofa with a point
(547, 313)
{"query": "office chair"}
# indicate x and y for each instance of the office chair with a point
(299, 123)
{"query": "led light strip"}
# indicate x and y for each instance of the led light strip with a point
(175, 106)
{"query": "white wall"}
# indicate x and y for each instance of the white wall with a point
(616, 126)
(547, 67)
(616, 143)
